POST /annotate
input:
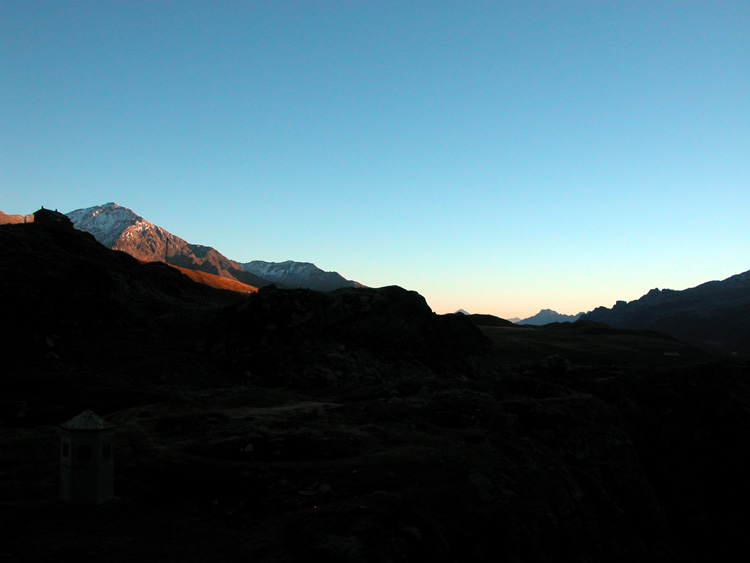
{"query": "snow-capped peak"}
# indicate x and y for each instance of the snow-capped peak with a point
(106, 222)
(119, 228)
(296, 274)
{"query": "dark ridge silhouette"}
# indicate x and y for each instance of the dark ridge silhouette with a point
(355, 425)
(546, 316)
(489, 320)
(713, 315)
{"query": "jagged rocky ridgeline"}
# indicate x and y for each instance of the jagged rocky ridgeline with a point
(119, 228)
(714, 315)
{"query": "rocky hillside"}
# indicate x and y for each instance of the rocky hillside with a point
(354, 425)
(714, 315)
(119, 228)
(298, 275)
(6, 219)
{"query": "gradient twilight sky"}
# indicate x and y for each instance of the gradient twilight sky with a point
(496, 156)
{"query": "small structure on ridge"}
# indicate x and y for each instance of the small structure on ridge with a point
(49, 216)
(87, 465)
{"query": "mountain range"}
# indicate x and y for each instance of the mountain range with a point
(119, 228)
(353, 425)
(546, 316)
(714, 315)
(298, 275)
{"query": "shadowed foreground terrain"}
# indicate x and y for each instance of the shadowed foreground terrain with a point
(356, 425)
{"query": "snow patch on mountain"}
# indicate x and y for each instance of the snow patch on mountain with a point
(119, 228)
(107, 222)
(297, 274)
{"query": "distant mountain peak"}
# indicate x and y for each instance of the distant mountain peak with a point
(298, 274)
(547, 316)
(105, 222)
(120, 228)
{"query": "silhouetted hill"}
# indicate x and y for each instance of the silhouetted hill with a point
(349, 336)
(713, 315)
(355, 425)
(488, 320)
(546, 316)
(77, 312)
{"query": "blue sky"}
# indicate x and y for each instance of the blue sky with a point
(499, 157)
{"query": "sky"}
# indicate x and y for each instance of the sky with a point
(495, 156)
